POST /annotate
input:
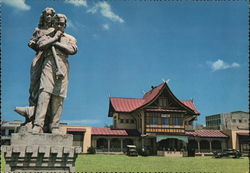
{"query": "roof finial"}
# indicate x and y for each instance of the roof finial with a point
(165, 81)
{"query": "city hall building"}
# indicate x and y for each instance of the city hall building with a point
(159, 121)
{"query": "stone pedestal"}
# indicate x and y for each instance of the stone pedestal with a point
(41, 153)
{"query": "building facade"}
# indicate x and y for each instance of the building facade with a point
(7, 128)
(235, 125)
(237, 120)
(159, 122)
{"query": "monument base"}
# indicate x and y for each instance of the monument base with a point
(40, 152)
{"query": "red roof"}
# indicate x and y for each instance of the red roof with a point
(114, 132)
(126, 104)
(131, 104)
(76, 130)
(190, 104)
(206, 133)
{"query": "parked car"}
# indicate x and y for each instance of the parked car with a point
(227, 153)
(131, 150)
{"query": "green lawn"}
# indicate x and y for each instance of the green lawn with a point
(122, 163)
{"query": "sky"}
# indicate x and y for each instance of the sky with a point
(125, 47)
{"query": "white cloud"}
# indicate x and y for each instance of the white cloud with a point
(81, 122)
(19, 4)
(235, 64)
(77, 2)
(221, 65)
(105, 26)
(105, 10)
(70, 24)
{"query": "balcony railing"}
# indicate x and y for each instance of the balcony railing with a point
(166, 129)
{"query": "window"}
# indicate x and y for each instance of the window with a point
(114, 122)
(154, 119)
(11, 131)
(176, 121)
(121, 120)
(234, 120)
(127, 120)
(3, 132)
(132, 121)
(240, 121)
(162, 101)
(164, 121)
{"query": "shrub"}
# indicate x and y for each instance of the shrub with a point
(91, 150)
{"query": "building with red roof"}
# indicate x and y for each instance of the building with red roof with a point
(158, 121)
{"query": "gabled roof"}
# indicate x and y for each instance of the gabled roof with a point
(114, 132)
(132, 104)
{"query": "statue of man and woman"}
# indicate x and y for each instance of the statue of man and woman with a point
(49, 73)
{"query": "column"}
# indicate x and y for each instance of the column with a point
(185, 153)
(184, 145)
(142, 142)
(210, 145)
(143, 123)
(224, 144)
(121, 145)
(108, 145)
(199, 148)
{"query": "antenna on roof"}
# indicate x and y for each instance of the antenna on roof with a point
(143, 92)
(109, 95)
(192, 100)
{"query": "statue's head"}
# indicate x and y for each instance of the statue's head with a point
(46, 18)
(60, 22)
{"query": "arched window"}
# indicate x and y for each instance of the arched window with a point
(102, 145)
(115, 145)
(216, 145)
(204, 146)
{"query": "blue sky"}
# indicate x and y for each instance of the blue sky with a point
(125, 47)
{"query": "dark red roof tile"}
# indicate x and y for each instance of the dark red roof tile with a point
(190, 104)
(114, 132)
(126, 104)
(207, 133)
(131, 104)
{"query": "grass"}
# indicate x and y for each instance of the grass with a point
(122, 163)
